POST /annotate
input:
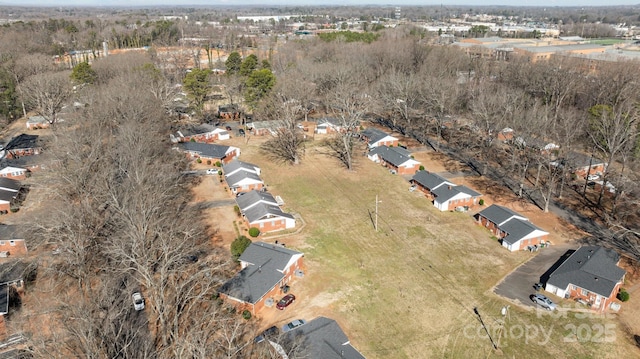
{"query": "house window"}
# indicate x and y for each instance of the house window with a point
(2, 243)
(584, 292)
(12, 243)
(261, 224)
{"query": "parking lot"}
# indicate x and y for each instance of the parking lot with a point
(518, 285)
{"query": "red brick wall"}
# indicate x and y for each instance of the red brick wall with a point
(582, 172)
(463, 202)
(532, 241)
(19, 177)
(489, 225)
(591, 297)
(278, 224)
(19, 248)
(257, 186)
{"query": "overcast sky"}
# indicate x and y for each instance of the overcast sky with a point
(540, 3)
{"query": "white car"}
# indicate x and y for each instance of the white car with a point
(592, 177)
(212, 171)
(138, 301)
(293, 325)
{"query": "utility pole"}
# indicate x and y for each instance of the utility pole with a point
(376, 223)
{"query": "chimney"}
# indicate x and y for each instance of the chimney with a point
(449, 187)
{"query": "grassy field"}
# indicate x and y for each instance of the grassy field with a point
(607, 42)
(409, 290)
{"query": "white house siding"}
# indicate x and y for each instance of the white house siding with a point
(555, 290)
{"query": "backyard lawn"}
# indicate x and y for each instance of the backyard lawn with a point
(409, 289)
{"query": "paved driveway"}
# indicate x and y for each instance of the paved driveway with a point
(518, 285)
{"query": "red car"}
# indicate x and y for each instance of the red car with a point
(285, 301)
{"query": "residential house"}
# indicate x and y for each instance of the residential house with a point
(9, 192)
(322, 338)
(266, 270)
(253, 198)
(229, 112)
(205, 133)
(328, 125)
(375, 138)
(513, 229)
(12, 285)
(22, 145)
(428, 182)
(12, 241)
(29, 163)
(263, 128)
(243, 181)
(236, 166)
(590, 274)
(37, 122)
(448, 198)
(505, 135)
(268, 218)
(397, 159)
(210, 152)
(583, 165)
(15, 173)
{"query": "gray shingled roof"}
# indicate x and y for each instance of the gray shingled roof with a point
(253, 197)
(498, 214)
(10, 184)
(428, 180)
(517, 229)
(262, 210)
(577, 159)
(235, 178)
(206, 149)
(23, 141)
(10, 231)
(445, 193)
(322, 338)
(197, 129)
(236, 165)
(392, 155)
(373, 134)
(7, 195)
(593, 268)
(265, 270)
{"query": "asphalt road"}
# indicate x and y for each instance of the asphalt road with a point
(518, 285)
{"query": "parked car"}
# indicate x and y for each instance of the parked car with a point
(286, 301)
(592, 177)
(413, 187)
(270, 333)
(543, 301)
(241, 132)
(212, 171)
(138, 301)
(228, 128)
(293, 325)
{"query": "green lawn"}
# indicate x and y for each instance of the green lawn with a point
(409, 290)
(607, 42)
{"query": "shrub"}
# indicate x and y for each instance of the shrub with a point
(220, 174)
(254, 232)
(623, 295)
(237, 210)
(246, 314)
(192, 140)
(238, 246)
(199, 160)
(481, 202)
(218, 164)
(208, 162)
(14, 210)
(421, 168)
